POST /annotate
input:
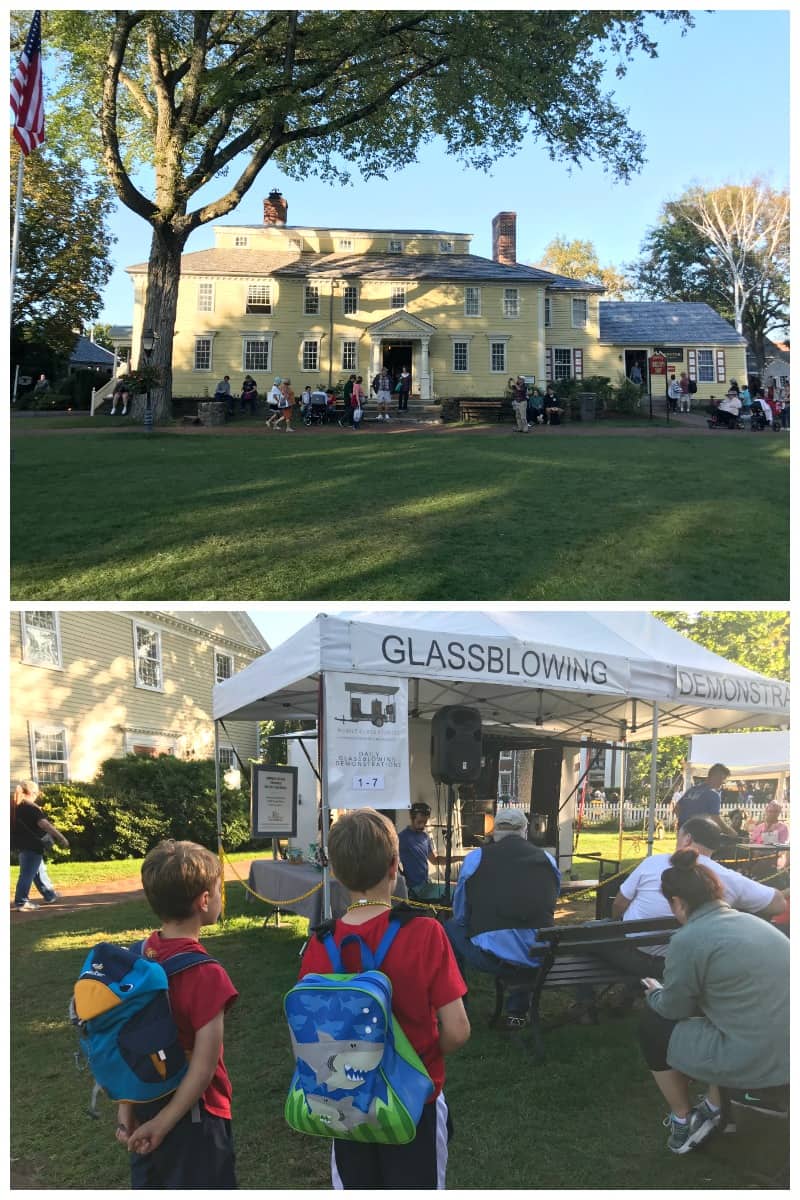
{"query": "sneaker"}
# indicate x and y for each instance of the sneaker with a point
(703, 1121)
(26, 906)
(113, 412)
(679, 1140)
(124, 412)
(56, 896)
(386, 417)
(513, 1023)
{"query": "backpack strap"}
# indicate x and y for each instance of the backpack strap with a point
(370, 961)
(182, 962)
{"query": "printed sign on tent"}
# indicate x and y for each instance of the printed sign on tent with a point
(366, 741)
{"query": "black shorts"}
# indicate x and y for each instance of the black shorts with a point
(197, 1153)
(654, 1034)
(421, 1164)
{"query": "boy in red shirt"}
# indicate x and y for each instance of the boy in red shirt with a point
(427, 999)
(186, 1141)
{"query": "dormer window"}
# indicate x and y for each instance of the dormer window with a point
(395, 246)
(295, 244)
(445, 246)
(344, 244)
(241, 240)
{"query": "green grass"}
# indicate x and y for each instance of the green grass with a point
(67, 874)
(590, 1117)
(421, 516)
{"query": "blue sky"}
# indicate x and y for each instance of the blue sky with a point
(713, 107)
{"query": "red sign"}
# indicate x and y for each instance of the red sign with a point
(658, 364)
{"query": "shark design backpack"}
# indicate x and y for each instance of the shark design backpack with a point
(356, 1075)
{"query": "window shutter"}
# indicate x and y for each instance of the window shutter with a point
(548, 364)
(691, 362)
(577, 358)
(721, 366)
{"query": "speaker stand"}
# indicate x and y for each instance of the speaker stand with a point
(448, 842)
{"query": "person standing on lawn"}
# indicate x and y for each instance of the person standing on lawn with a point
(186, 1140)
(427, 991)
(382, 386)
(31, 834)
(285, 406)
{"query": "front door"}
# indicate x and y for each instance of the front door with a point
(397, 355)
(638, 358)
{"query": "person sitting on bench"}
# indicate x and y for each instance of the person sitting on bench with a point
(507, 890)
(722, 1014)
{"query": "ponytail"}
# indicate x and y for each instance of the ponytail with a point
(688, 880)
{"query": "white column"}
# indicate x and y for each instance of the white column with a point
(375, 357)
(541, 335)
(424, 370)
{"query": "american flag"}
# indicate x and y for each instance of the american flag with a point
(26, 90)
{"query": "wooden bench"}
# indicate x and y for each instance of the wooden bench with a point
(473, 410)
(565, 963)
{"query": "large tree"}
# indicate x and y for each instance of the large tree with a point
(577, 259)
(728, 247)
(64, 246)
(194, 95)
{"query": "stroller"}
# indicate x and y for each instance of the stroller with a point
(316, 413)
(758, 418)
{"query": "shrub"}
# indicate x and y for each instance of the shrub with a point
(627, 396)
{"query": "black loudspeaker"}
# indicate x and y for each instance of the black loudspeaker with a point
(456, 745)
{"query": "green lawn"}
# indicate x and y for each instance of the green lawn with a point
(68, 874)
(590, 1117)
(432, 516)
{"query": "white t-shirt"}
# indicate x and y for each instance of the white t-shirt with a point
(643, 889)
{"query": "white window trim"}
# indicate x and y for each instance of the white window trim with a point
(394, 245)
(296, 244)
(568, 349)
(253, 335)
(460, 341)
(579, 300)
(445, 246)
(398, 287)
(164, 745)
(205, 283)
(204, 337)
(343, 341)
(241, 241)
(473, 287)
(314, 340)
(512, 316)
(345, 312)
(255, 283)
(344, 245)
(47, 727)
(147, 687)
(223, 654)
(713, 365)
(493, 339)
(57, 666)
(306, 311)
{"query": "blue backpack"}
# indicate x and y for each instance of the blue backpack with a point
(120, 1004)
(356, 1075)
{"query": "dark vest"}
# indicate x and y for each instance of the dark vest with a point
(515, 887)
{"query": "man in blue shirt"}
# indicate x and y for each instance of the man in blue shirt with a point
(416, 851)
(506, 891)
(705, 800)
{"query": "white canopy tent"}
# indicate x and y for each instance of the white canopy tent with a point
(566, 675)
(762, 755)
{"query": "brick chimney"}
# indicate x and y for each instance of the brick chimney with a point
(504, 238)
(275, 208)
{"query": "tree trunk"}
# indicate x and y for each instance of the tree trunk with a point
(160, 310)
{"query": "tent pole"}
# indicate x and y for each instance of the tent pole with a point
(218, 787)
(651, 810)
(448, 843)
(323, 792)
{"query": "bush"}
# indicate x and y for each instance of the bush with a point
(628, 397)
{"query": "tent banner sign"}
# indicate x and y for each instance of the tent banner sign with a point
(488, 660)
(366, 741)
(733, 691)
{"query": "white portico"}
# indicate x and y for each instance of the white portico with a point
(403, 328)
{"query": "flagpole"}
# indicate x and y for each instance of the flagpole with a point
(15, 239)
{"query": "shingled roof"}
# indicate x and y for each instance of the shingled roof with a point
(457, 267)
(89, 354)
(656, 323)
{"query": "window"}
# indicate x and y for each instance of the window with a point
(147, 657)
(259, 298)
(311, 355)
(705, 366)
(395, 246)
(257, 354)
(41, 640)
(311, 301)
(202, 354)
(547, 312)
(498, 356)
(504, 783)
(349, 355)
(562, 364)
(223, 666)
(580, 313)
(295, 244)
(241, 240)
(344, 244)
(445, 246)
(472, 301)
(460, 356)
(227, 758)
(350, 298)
(398, 295)
(510, 302)
(205, 297)
(49, 753)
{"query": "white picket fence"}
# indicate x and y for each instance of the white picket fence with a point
(635, 816)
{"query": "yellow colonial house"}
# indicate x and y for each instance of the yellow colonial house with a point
(316, 304)
(93, 684)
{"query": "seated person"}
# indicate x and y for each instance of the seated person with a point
(506, 891)
(552, 409)
(729, 409)
(536, 406)
(640, 898)
(771, 831)
(416, 851)
(722, 1014)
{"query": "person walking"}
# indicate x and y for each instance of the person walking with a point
(382, 386)
(31, 835)
(357, 402)
(673, 393)
(274, 402)
(285, 406)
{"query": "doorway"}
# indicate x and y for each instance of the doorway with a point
(636, 358)
(397, 355)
